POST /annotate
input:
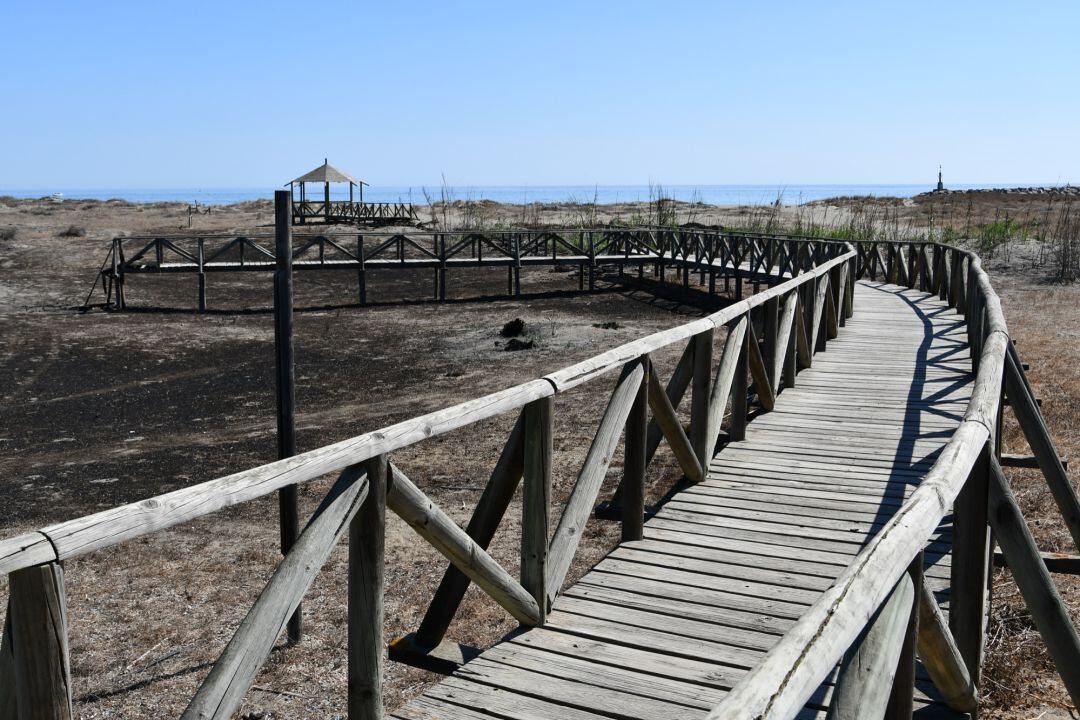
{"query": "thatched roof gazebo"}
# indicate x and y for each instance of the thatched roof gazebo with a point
(324, 174)
(352, 211)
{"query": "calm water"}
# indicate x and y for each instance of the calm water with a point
(713, 194)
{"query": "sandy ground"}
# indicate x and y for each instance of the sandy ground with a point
(106, 408)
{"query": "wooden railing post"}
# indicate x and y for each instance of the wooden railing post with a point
(970, 566)
(37, 623)
(739, 389)
(536, 500)
(285, 376)
(634, 461)
(770, 328)
(699, 399)
(869, 668)
(902, 698)
(367, 534)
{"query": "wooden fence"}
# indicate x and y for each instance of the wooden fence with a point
(348, 211)
(734, 257)
(873, 616)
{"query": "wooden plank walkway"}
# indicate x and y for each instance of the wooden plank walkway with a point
(662, 627)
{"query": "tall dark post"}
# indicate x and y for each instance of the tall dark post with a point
(286, 378)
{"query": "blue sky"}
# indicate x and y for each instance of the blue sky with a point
(234, 94)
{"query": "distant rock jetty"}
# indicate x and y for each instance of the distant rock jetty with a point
(1069, 190)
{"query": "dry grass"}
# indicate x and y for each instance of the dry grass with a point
(1020, 680)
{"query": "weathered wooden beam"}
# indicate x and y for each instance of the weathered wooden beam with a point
(783, 339)
(223, 690)
(635, 459)
(1031, 462)
(285, 376)
(435, 526)
(765, 393)
(366, 587)
(941, 657)
(901, 702)
(485, 520)
(536, 501)
(970, 566)
(869, 665)
(804, 358)
(673, 431)
(725, 376)
(700, 418)
(817, 335)
(110, 527)
(1055, 562)
(37, 606)
(1042, 446)
(675, 389)
(567, 535)
(1047, 609)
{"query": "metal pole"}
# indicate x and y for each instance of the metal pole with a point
(286, 378)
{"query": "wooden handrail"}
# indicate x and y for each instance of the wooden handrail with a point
(781, 684)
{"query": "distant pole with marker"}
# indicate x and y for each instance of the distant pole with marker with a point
(286, 378)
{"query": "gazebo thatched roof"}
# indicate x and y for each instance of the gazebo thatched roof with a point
(327, 173)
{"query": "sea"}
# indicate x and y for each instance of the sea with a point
(604, 194)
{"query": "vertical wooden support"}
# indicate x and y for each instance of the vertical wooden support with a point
(739, 389)
(592, 263)
(901, 704)
(970, 567)
(699, 400)
(202, 275)
(770, 327)
(536, 500)
(367, 534)
(361, 273)
(868, 670)
(442, 267)
(632, 495)
(517, 266)
(790, 369)
(37, 614)
(289, 519)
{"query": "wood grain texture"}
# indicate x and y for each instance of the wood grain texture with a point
(223, 690)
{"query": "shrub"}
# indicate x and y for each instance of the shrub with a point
(73, 231)
(512, 329)
(7, 233)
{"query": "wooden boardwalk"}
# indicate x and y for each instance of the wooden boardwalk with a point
(664, 626)
(821, 537)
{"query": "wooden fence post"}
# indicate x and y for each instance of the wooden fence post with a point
(288, 516)
(970, 566)
(902, 697)
(202, 274)
(37, 612)
(536, 500)
(740, 388)
(770, 327)
(634, 461)
(699, 399)
(367, 534)
(869, 667)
